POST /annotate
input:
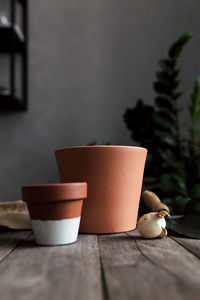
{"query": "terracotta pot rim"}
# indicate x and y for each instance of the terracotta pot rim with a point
(55, 192)
(137, 148)
(67, 184)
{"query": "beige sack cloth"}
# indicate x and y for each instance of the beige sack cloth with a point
(14, 215)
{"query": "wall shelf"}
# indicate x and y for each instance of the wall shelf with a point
(14, 44)
(11, 35)
(11, 103)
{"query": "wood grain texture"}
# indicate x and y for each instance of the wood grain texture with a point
(135, 268)
(9, 240)
(64, 272)
(192, 245)
(110, 267)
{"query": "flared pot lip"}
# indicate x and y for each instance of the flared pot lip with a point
(54, 192)
(136, 148)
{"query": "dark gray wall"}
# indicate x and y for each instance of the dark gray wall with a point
(89, 61)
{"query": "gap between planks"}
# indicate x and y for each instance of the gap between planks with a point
(59, 272)
(10, 240)
(117, 266)
(155, 269)
(192, 245)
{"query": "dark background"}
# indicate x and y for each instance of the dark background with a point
(88, 61)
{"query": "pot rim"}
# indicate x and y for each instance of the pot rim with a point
(137, 148)
(67, 184)
(55, 192)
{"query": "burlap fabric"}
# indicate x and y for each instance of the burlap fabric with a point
(14, 215)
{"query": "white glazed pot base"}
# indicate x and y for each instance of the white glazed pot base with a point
(56, 232)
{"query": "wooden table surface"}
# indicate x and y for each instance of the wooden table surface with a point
(117, 267)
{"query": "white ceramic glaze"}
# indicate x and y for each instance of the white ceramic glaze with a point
(56, 232)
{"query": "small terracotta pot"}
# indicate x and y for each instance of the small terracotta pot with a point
(114, 175)
(55, 211)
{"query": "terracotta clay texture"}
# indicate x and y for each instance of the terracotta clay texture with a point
(114, 175)
(55, 201)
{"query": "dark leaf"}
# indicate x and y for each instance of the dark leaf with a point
(167, 116)
(175, 84)
(176, 48)
(193, 207)
(175, 73)
(160, 121)
(174, 183)
(180, 203)
(164, 78)
(195, 193)
(194, 106)
(165, 137)
(180, 172)
(141, 131)
(169, 158)
(177, 95)
(167, 65)
(164, 104)
(133, 116)
(196, 90)
(170, 140)
(163, 89)
(167, 201)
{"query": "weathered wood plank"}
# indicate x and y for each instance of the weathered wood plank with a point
(9, 240)
(193, 245)
(65, 272)
(148, 269)
(177, 261)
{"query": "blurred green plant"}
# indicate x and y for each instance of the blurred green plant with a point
(173, 166)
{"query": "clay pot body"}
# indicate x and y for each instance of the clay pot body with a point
(55, 211)
(114, 175)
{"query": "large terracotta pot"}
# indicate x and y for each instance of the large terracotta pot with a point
(114, 175)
